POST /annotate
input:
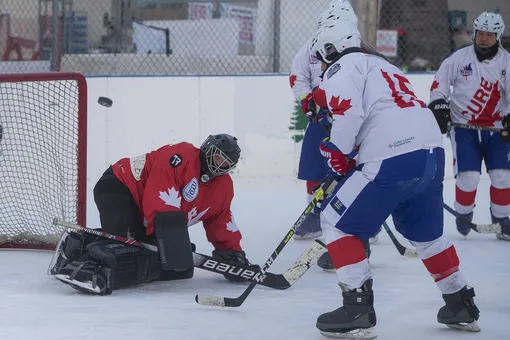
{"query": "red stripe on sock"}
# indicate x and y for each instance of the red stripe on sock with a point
(346, 251)
(442, 265)
(310, 185)
(465, 198)
(500, 196)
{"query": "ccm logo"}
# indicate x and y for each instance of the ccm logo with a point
(230, 269)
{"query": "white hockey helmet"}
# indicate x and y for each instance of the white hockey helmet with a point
(334, 37)
(338, 10)
(489, 22)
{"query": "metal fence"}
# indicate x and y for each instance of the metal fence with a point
(219, 37)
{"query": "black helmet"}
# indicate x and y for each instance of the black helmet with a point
(218, 155)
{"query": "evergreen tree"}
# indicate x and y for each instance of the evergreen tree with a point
(298, 123)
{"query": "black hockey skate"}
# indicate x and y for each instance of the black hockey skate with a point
(460, 311)
(462, 226)
(355, 319)
(310, 228)
(325, 262)
(505, 224)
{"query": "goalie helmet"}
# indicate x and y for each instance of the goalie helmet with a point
(338, 10)
(219, 154)
(489, 22)
(334, 37)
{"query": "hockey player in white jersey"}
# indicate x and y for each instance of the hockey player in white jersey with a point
(399, 172)
(480, 77)
(304, 78)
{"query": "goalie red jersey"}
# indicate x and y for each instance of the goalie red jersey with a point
(169, 179)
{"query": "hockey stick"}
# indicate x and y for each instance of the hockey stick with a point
(210, 300)
(479, 128)
(275, 281)
(493, 228)
(401, 249)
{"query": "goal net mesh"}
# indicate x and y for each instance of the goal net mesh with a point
(42, 157)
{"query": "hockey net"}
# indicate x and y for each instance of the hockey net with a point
(43, 122)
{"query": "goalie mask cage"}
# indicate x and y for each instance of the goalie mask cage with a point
(43, 152)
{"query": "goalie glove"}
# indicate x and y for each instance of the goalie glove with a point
(441, 110)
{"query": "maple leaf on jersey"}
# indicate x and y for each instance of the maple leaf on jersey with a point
(292, 80)
(339, 108)
(171, 197)
(232, 226)
(434, 85)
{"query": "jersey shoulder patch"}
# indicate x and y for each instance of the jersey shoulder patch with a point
(333, 69)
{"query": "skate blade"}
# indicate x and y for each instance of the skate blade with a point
(468, 327)
(85, 287)
(360, 333)
(503, 237)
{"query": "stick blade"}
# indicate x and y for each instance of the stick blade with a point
(210, 300)
(305, 262)
(410, 253)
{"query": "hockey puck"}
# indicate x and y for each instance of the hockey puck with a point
(104, 101)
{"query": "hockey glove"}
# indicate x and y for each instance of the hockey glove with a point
(337, 161)
(309, 107)
(312, 111)
(505, 133)
(237, 258)
(441, 110)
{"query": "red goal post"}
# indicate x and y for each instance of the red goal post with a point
(43, 156)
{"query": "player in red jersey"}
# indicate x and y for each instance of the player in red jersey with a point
(154, 198)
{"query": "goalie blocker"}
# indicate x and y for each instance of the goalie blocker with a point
(99, 266)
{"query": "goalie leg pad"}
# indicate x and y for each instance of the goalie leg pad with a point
(111, 265)
(174, 245)
(71, 247)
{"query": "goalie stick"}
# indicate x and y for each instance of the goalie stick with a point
(401, 249)
(493, 228)
(211, 300)
(275, 281)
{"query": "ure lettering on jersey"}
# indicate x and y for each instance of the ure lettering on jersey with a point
(481, 109)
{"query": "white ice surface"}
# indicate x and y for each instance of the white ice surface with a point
(34, 306)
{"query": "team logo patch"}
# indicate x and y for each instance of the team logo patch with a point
(313, 59)
(190, 191)
(175, 160)
(137, 164)
(333, 69)
(466, 71)
(338, 206)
